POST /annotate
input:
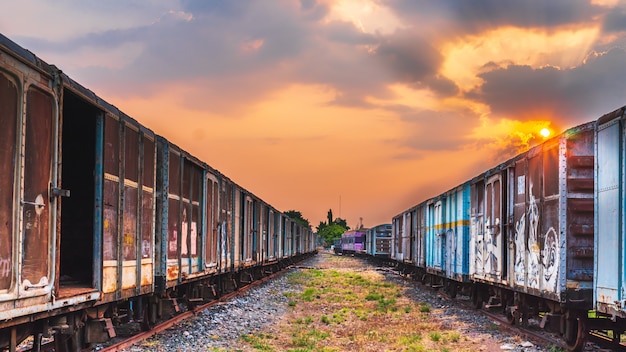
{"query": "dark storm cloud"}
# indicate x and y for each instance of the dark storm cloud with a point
(413, 60)
(475, 16)
(347, 33)
(570, 96)
(615, 21)
(220, 8)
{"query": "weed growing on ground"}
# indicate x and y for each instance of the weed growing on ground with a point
(338, 308)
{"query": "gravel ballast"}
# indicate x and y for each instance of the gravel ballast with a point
(259, 310)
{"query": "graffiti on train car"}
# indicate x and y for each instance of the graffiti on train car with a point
(491, 245)
(487, 249)
(5, 267)
(520, 250)
(539, 262)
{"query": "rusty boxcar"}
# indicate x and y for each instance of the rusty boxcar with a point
(105, 222)
(532, 233)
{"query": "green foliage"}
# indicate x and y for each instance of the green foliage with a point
(297, 217)
(331, 232)
(435, 336)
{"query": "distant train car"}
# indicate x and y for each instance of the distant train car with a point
(610, 221)
(353, 242)
(532, 232)
(337, 246)
(447, 232)
(378, 241)
(408, 243)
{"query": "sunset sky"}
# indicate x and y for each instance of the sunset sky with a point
(365, 107)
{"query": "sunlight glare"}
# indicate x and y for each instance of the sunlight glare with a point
(545, 133)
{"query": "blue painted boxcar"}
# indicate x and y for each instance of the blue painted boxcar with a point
(448, 237)
(378, 240)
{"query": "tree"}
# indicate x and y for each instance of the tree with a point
(331, 232)
(297, 217)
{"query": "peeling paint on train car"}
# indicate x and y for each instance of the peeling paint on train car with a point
(541, 200)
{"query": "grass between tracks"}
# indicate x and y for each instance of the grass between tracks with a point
(343, 309)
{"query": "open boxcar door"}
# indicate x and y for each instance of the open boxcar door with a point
(37, 201)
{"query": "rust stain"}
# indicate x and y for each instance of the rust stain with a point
(172, 272)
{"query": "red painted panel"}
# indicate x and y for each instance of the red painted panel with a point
(38, 160)
(110, 220)
(8, 116)
(146, 226)
(130, 223)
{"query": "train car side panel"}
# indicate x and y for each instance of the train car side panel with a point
(610, 241)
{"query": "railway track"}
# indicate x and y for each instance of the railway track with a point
(128, 341)
(596, 341)
(134, 339)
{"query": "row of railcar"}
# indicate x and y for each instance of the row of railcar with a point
(104, 222)
(540, 235)
(375, 241)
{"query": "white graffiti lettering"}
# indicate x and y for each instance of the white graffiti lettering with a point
(520, 250)
(550, 258)
(5, 267)
(539, 262)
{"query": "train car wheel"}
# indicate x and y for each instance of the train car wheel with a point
(575, 333)
(452, 289)
(149, 316)
(477, 299)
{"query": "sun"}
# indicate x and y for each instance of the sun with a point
(545, 133)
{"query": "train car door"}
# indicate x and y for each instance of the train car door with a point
(493, 243)
(8, 142)
(37, 201)
(439, 236)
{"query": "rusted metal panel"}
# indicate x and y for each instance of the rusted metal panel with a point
(129, 233)
(110, 211)
(129, 274)
(147, 225)
(212, 222)
(172, 238)
(8, 142)
(37, 178)
(109, 277)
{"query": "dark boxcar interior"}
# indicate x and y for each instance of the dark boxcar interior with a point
(77, 216)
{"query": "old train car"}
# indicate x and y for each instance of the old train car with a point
(94, 235)
(353, 242)
(78, 198)
(408, 244)
(447, 230)
(378, 240)
(610, 221)
(542, 203)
